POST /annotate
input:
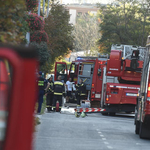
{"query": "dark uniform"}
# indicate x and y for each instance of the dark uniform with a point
(49, 97)
(77, 94)
(41, 82)
(82, 92)
(59, 90)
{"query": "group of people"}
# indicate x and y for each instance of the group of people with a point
(55, 90)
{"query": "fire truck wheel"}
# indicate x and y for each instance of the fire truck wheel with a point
(137, 127)
(112, 113)
(144, 131)
(104, 113)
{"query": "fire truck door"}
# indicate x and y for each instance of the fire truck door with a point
(74, 72)
(61, 69)
(86, 73)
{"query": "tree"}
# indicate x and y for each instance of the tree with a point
(124, 22)
(59, 31)
(13, 25)
(86, 32)
(42, 49)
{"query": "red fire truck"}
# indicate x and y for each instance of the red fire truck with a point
(121, 78)
(90, 70)
(17, 97)
(142, 113)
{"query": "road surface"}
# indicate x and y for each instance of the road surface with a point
(94, 132)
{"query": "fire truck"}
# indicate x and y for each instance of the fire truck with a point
(121, 78)
(142, 113)
(112, 84)
(90, 70)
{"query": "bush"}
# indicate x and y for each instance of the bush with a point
(35, 22)
(31, 4)
(39, 36)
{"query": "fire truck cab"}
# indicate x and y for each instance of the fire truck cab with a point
(142, 111)
(90, 69)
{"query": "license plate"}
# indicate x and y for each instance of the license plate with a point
(97, 95)
(131, 94)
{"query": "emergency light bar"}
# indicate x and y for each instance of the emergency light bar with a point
(85, 58)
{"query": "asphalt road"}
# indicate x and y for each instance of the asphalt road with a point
(94, 132)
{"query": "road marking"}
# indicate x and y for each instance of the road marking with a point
(103, 138)
(97, 129)
(102, 135)
(99, 132)
(109, 147)
(106, 143)
(138, 144)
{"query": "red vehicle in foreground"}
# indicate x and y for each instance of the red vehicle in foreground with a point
(142, 114)
(121, 78)
(17, 97)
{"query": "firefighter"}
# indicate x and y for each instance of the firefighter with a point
(77, 94)
(82, 91)
(59, 91)
(49, 94)
(41, 85)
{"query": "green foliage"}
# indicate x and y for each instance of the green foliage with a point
(42, 51)
(86, 32)
(59, 31)
(124, 22)
(13, 26)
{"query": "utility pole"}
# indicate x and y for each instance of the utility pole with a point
(39, 7)
(43, 7)
(48, 8)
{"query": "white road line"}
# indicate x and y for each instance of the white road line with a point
(106, 143)
(97, 129)
(103, 138)
(102, 135)
(109, 147)
(99, 132)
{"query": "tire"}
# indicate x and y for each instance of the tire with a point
(144, 131)
(105, 114)
(137, 127)
(112, 113)
(128, 112)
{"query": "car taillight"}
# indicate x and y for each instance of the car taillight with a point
(92, 85)
(107, 97)
(148, 93)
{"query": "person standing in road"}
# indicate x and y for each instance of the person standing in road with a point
(49, 94)
(69, 86)
(82, 91)
(41, 85)
(59, 91)
(77, 94)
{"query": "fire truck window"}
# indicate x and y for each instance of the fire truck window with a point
(144, 75)
(61, 69)
(72, 69)
(5, 80)
(85, 70)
